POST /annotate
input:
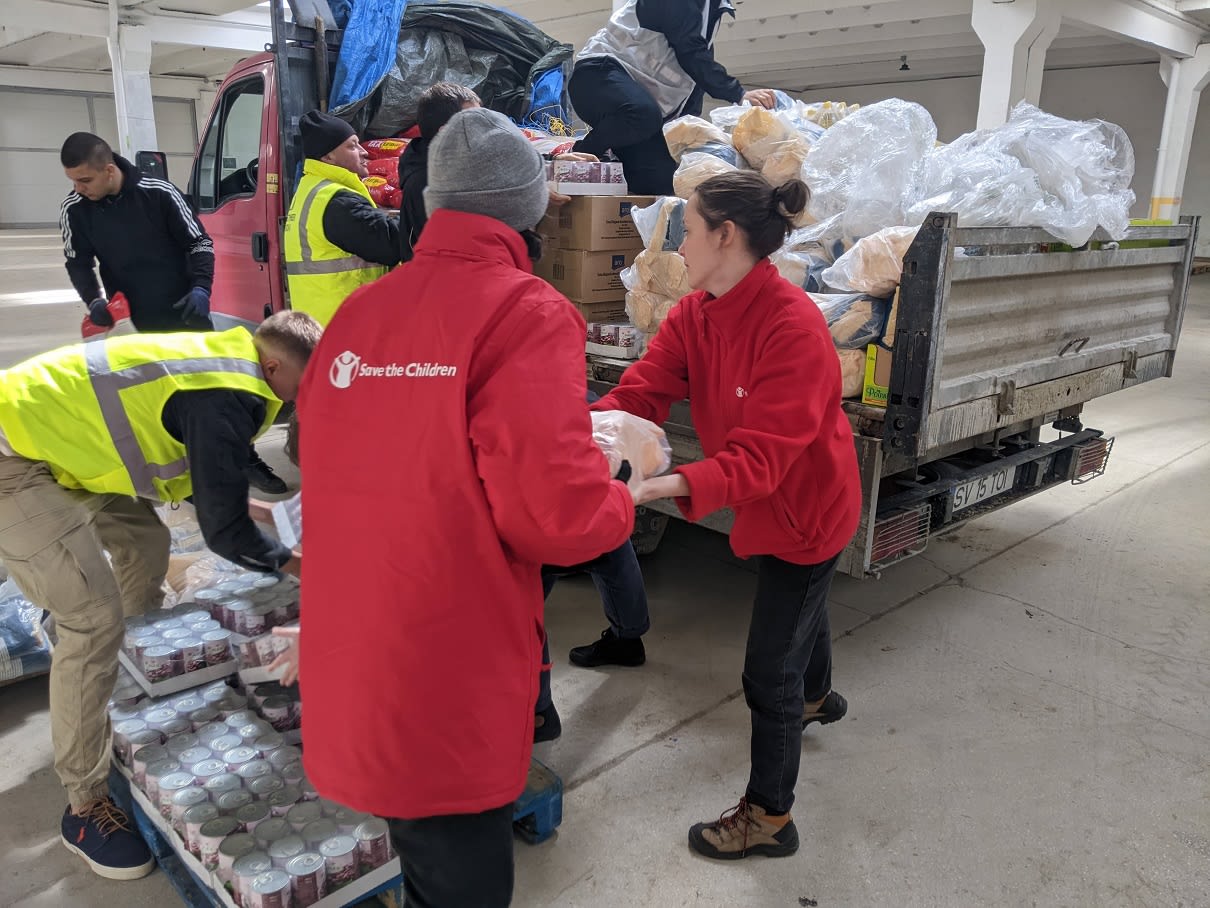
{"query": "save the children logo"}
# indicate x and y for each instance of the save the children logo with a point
(344, 369)
(348, 366)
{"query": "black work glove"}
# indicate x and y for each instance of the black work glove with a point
(98, 314)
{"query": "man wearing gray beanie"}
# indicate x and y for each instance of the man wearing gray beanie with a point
(489, 473)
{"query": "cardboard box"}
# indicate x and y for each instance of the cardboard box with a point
(586, 177)
(612, 311)
(621, 340)
(876, 390)
(595, 223)
(586, 277)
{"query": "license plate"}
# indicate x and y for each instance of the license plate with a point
(983, 488)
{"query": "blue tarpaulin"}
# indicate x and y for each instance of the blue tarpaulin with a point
(367, 49)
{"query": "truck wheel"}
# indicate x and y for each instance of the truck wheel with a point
(649, 527)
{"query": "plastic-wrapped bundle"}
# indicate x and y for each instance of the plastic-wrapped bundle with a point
(647, 310)
(852, 372)
(662, 224)
(759, 133)
(696, 167)
(803, 269)
(624, 436)
(785, 161)
(864, 166)
(24, 648)
(983, 186)
(825, 240)
(854, 319)
(874, 264)
(661, 273)
(689, 133)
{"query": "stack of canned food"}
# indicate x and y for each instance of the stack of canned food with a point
(176, 641)
(250, 605)
(220, 774)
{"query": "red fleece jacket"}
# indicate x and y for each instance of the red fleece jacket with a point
(763, 381)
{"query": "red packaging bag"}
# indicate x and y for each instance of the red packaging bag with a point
(387, 168)
(385, 149)
(394, 197)
(379, 190)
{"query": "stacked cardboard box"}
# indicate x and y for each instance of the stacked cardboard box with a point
(587, 243)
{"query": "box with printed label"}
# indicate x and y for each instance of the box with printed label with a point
(586, 177)
(595, 223)
(612, 311)
(876, 389)
(586, 277)
(618, 339)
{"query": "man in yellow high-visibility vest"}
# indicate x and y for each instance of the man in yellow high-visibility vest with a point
(91, 437)
(336, 238)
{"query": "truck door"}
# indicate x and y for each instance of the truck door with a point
(230, 188)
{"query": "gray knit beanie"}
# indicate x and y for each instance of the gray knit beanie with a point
(480, 163)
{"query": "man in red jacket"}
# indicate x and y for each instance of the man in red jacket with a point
(427, 715)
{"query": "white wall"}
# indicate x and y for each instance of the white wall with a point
(33, 125)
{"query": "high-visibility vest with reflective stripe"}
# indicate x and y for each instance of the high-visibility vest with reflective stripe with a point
(93, 412)
(319, 274)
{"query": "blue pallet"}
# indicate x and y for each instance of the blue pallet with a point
(539, 810)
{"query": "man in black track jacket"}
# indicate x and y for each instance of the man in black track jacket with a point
(652, 62)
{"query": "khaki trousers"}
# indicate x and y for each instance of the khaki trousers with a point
(53, 541)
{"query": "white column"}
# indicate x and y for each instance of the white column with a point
(1015, 36)
(130, 59)
(201, 109)
(1185, 80)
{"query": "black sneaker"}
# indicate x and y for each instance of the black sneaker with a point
(105, 838)
(547, 726)
(832, 709)
(261, 476)
(610, 650)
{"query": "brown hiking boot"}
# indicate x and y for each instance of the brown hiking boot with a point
(745, 830)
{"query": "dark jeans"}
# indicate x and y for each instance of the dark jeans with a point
(458, 861)
(788, 662)
(619, 580)
(625, 119)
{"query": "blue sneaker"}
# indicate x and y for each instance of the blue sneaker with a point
(106, 839)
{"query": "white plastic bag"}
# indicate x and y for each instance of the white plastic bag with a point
(624, 436)
(662, 224)
(852, 372)
(874, 265)
(985, 187)
(695, 168)
(759, 133)
(802, 269)
(854, 319)
(686, 133)
(864, 166)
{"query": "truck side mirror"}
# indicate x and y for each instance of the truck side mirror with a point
(152, 164)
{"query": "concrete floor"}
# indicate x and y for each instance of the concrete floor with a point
(1029, 704)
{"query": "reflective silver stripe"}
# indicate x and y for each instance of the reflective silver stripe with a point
(108, 386)
(330, 266)
(308, 265)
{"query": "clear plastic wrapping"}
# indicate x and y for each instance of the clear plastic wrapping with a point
(864, 166)
(688, 133)
(854, 319)
(624, 436)
(695, 168)
(874, 264)
(759, 133)
(24, 647)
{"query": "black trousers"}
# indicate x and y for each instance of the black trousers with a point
(625, 119)
(788, 662)
(457, 861)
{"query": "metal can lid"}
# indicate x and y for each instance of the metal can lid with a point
(273, 829)
(270, 882)
(287, 846)
(182, 743)
(174, 727)
(190, 797)
(266, 785)
(237, 845)
(219, 827)
(145, 737)
(240, 755)
(209, 768)
(200, 813)
(257, 769)
(278, 702)
(224, 781)
(338, 846)
(162, 767)
(373, 828)
(207, 595)
(233, 801)
(224, 743)
(284, 756)
(159, 652)
(190, 642)
(219, 636)
(160, 714)
(128, 726)
(254, 812)
(306, 863)
(268, 742)
(319, 832)
(266, 581)
(176, 780)
(254, 863)
(241, 717)
(304, 813)
(194, 755)
(152, 753)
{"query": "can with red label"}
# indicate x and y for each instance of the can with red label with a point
(237, 615)
(266, 648)
(217, 644)
(340, 860)
(252, 815)
(278, 712)
(244, 871)
(169, 785)
(193, 654)
(210, 838)
(255, 621)
(143, 755)
(158, 663)
(346, 819)
(285, 849)
(234, 847)
(271, 890)
(194, 819)
(121, 737)
(308, 878)
(181, 802)
(373, 843)
(174, 635)
(142, 643)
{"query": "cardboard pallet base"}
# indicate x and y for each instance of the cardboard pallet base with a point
(177, 683)
(196, 885)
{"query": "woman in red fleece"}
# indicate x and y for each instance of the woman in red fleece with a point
(754, 356)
